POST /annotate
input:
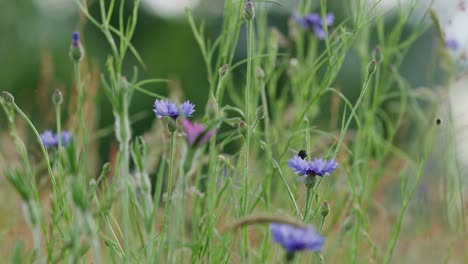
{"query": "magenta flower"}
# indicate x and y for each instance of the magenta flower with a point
(196, 133)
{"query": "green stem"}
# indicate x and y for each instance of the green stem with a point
(80, 125)
(248, 130)
(309, 196)
(169, 188)
(322, 223)
(124, 135)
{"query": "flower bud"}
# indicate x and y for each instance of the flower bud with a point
(7, 97)
(224, 70)
(260, 113)
(248, 11)
(324, 209)
(378, 55)
(76, 50)
(241, 126)
(92, 187)
(372, 67)
(57, 97)
(260, 73)
(172, 126)
(310, 181)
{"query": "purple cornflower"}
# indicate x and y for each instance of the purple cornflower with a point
(164, 108)
(52, 140)
(293, 238)
(313, 21)
(315, 167)
(451, 43)
(195, 131)
(309, 169)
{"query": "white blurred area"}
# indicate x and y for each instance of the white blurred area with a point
(168, 8)
(59, 8)
(162, 8)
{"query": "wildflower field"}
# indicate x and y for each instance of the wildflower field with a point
(283, 131)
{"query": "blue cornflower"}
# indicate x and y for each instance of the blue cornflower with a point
(51, 140)
(164, 108)
(309, 169)
(299, 165)
(315, 167)
(451, 43)
(313, 21)
(321, 167)
(293, 238)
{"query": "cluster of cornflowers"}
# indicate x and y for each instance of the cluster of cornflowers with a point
(196, 134)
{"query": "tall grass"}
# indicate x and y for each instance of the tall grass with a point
(162, 200)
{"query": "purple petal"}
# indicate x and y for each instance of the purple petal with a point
(65, 138)
(329, 19)
(301, 21)
(294, 238)
(48, 139)
(299, 165)
(164, 108)
(192, 130)
(319, 33)
(187, 108)
(451, 43)
(313, 19)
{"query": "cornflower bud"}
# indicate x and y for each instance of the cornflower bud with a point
(372, 67)
(224, 70)
(324, 209)
(57, 97)
(76, 50)
(7, 97)
(249, 10)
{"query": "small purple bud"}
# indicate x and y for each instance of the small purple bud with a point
(76, 50)
(249, 10)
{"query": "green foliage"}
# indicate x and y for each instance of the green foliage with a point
(160, 200)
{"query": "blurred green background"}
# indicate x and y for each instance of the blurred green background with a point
(35, 36)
